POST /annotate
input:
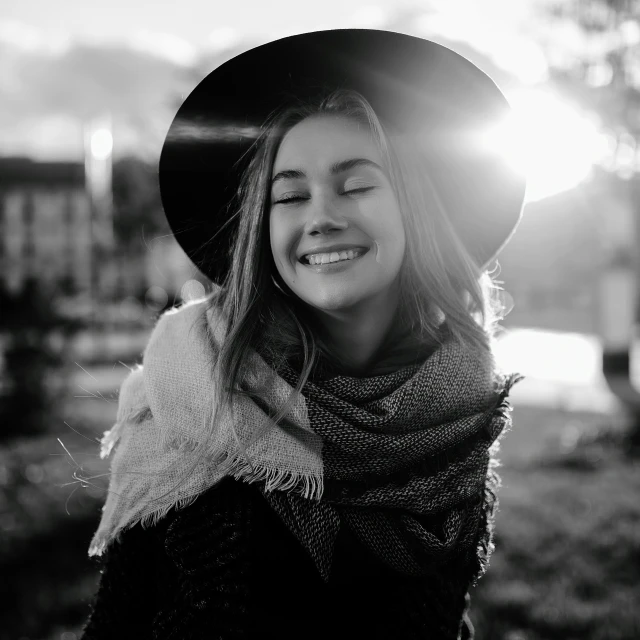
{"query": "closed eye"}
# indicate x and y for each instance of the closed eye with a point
(289, 200)
(358, 190)
(292, 199)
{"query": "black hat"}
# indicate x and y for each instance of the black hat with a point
(416, 87)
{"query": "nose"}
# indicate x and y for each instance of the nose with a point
(324, 216)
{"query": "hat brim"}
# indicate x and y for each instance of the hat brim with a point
(417, 88)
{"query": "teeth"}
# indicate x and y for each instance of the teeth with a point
(335, 256)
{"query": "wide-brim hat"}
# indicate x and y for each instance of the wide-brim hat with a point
(418, 89)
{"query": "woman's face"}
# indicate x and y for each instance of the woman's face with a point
(331, 195)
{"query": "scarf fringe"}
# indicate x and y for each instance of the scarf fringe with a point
(224, 463)
(507, 382)
(101, 540)
(99, 544)
(501, 416)
(308, 486)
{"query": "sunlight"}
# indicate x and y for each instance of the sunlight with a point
(101, 143)
(547, 139)
(164, 45)
(561, 369)
(571, 358)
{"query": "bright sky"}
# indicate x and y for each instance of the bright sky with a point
(199, 22)
(193, 20)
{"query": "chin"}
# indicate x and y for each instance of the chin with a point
(333, 300)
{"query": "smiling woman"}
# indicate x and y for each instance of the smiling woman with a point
(333, 204)
(334, 403)
(337, 179)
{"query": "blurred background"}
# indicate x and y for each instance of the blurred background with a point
(87, 93)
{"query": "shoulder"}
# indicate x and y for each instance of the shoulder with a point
(183, 329)
(173, 330)
(176, 323)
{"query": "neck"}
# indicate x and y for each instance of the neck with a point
(358, 334)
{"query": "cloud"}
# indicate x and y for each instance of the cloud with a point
(164, 45)
(222, 38)
(55, 137)
(44, 99)
(370, 16)
(26, 38)
(498, 40)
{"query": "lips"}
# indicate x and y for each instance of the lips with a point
(304, 259)
(338, 265)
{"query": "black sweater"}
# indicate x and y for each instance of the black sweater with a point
(226, 567)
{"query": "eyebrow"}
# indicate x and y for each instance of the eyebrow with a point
(337, 167)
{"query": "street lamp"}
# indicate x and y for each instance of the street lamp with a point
(98, 183)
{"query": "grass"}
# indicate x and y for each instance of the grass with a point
(566, 565)
(47, 518)
(567, 559)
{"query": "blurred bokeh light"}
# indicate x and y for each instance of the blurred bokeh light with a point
(192, 290)
(156, 297)
(101, 143)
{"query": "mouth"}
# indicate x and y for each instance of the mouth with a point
(322, 262)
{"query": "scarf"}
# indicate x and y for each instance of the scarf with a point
(404, 459)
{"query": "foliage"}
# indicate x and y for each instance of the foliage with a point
(33, 335)
(137, 206)
(567, 544)
(601, 66)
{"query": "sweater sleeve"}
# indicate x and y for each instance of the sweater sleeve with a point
(125, 602)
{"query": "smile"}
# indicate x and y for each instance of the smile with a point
(337, 265)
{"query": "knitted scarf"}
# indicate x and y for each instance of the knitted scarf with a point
(404, 459)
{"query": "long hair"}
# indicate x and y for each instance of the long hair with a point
(439, 280)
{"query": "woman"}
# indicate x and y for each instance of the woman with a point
(309, 451)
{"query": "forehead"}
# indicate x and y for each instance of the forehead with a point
(319, 141)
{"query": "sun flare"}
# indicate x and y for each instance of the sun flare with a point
(549, 141)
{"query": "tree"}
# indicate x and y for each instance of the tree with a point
(30, 358)
(594, 51)
(137, 205)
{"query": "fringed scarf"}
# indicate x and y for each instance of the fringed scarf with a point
(404, 459)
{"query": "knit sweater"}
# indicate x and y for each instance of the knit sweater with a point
(226, 567)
